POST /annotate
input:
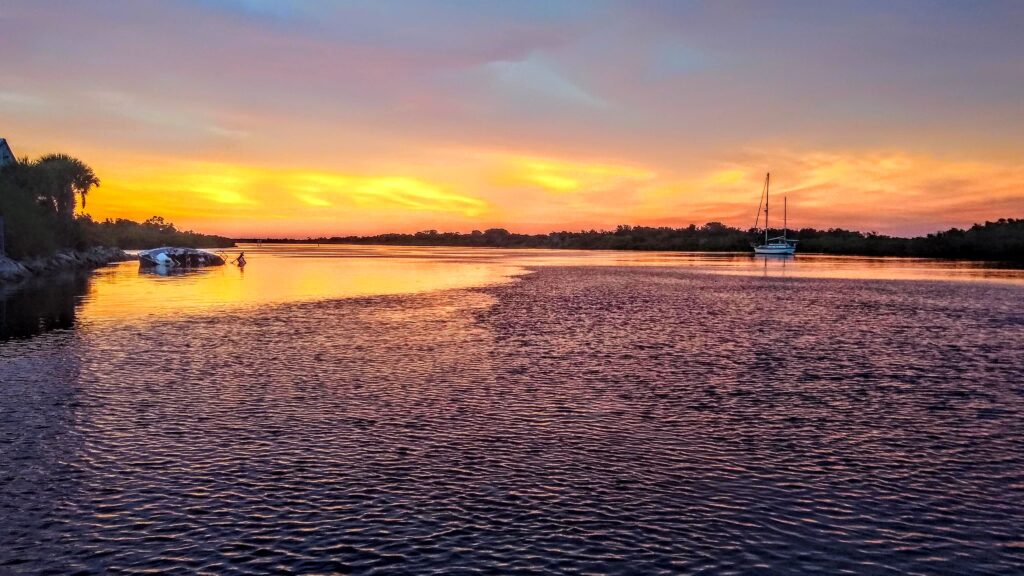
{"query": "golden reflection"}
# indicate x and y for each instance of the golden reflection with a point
(274, 276)
(301, 273)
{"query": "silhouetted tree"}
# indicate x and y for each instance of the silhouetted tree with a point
(37, 201)
(65, 177)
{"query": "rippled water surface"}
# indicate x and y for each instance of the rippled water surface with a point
(372, 410)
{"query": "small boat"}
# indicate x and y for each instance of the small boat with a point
(178, 258)
(778, 245)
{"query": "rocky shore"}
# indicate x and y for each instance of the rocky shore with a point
(13, 271)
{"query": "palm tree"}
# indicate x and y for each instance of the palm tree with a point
(67, 177)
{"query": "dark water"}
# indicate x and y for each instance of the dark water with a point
(35, 307)
(578, 420)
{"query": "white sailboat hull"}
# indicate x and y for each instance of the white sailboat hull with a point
(777, 249)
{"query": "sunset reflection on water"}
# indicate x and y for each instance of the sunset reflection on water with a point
(303, 273)
(278, 275)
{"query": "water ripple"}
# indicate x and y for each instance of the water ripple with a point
(579, 420)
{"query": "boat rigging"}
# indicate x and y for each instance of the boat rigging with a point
(778, 245)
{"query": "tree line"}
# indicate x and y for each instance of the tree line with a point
(1002, 239)
(38, 202)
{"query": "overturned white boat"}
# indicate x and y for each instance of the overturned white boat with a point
(169, 257)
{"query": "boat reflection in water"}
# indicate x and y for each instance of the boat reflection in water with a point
(167, 271)
(775, 264)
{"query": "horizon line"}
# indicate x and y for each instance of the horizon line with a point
(613, 230)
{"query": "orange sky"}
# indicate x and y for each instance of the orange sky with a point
(305, 119)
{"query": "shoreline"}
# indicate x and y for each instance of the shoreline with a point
(1012, 263)
(1001, 240)
(14, 272)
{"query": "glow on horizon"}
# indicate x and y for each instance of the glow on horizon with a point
(307, 119)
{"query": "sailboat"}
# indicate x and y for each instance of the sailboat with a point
(779, 245)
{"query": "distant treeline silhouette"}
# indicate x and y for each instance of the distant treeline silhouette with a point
(152, 233)
(999, 240)
(38, 200)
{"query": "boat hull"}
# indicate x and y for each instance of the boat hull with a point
(779, 250)
(178, 258)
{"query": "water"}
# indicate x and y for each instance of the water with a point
(378, 410)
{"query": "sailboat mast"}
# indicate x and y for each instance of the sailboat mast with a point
(767, 183)
(785, 216)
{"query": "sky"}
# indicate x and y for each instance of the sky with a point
(316, 117)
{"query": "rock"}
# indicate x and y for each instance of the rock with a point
(12, 271)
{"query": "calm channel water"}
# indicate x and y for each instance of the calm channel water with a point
(453, 411)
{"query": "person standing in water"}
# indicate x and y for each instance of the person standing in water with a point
(240, 260)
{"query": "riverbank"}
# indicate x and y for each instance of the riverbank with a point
(16, 271)
(1002, 240)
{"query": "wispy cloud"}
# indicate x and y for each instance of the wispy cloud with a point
(22, 102)
(534, 79)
